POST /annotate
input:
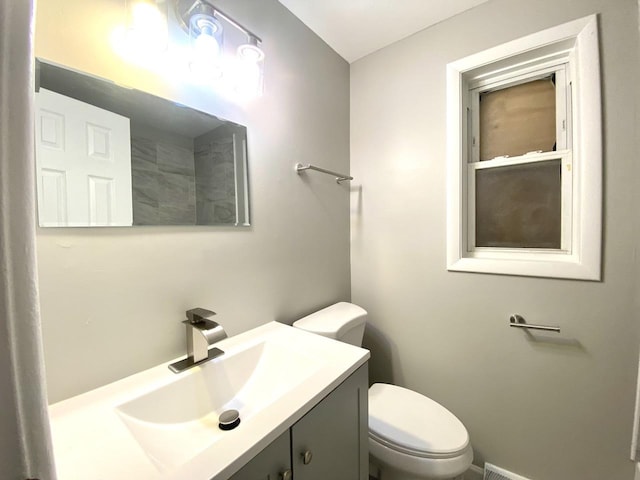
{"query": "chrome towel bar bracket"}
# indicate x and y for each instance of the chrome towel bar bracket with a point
(518, 321)
(339, 176)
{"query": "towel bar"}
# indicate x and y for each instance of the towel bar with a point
(339, 176)
(518, 321)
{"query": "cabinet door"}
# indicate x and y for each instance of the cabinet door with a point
(330, 442)
(272, 463)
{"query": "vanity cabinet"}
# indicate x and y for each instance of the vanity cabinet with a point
(329, 442)
(272, 463)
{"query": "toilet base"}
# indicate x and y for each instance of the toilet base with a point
(393, 465)
(389, 473)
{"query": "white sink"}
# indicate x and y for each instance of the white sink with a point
(177, 421)
(158, 425)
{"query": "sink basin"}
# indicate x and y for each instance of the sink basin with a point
(177, 421)
(158, 425)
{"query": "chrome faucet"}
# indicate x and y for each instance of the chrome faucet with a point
(201, 334)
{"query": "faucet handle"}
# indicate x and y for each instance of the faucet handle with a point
(198, 315)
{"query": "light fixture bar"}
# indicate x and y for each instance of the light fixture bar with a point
(195, 5)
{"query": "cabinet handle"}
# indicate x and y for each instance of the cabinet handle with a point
(306, 457)
(286, 475)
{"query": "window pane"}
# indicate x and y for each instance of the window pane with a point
(518, 119)
(519, 206)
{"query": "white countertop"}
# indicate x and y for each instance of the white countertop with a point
(91, 439)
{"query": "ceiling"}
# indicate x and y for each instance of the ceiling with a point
(355, 28)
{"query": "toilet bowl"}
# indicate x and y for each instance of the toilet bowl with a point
(411, 437)
(415, 437)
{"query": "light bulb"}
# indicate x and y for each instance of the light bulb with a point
(147, 32)
(206, 47)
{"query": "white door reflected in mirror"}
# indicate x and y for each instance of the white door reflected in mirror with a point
(83, 161)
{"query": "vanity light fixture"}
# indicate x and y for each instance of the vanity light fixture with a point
(222, 52)
(204, 23)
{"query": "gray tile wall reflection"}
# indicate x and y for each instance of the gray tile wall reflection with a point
(163, 183)
(215, 178)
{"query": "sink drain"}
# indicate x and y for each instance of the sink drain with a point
(229, 420)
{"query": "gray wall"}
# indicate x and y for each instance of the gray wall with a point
(113, 299)
(552, 407)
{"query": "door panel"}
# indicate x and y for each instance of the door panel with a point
(333, 435)
(270, 463)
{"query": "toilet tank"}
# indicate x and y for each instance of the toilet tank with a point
(342, 321)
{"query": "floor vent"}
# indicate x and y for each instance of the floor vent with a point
(491, 472)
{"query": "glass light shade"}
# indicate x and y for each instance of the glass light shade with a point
(147, 30)
(249, 69)
(250, 53)
(205, 33)
(249, 78)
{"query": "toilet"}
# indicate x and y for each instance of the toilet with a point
(411, 437)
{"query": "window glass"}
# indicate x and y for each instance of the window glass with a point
(519, 206)
(518, 119)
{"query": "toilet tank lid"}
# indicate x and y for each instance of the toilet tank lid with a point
(333, 320)
(414, 422)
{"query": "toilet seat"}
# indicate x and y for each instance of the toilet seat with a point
(410, 423)
(413, 453)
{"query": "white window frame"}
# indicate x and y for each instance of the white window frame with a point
(573, 47)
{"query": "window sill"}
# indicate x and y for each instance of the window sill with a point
(560, 266)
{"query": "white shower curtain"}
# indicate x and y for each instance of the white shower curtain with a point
(25, 440)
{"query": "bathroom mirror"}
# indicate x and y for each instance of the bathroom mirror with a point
(107, 155)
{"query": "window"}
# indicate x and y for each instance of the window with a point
(524, 156)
